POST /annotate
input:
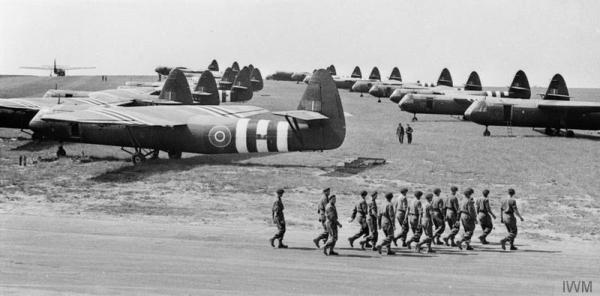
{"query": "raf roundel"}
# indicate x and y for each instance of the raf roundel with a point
(219, 136)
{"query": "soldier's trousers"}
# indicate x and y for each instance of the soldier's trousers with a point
(413, 220)
(486, 223)
(332, 231)
(453, 223)
(511, 227)
(427, 227)
(468, 224)
(409, 138)
(280, 230)
(388, 231)
(364, 230)
(325, 234)
(372, 224)
(403, 227)
(401, 138)
(438, 223)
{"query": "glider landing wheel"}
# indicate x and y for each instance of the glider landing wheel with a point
(486, 132)
(138, 158)
(549, 131)
(155, 154)
(569, 134)
(415, 118)
(174, 154)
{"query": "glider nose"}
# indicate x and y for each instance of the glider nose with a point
(376, 91)
(396, 96)
(473, 113)
(406, 102)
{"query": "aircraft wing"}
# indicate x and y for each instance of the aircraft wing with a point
(76, 68)
(19, 104)
(302, 115)
(39, 68)
(569, 106)
(113, 116)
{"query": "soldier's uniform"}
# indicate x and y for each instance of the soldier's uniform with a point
(332, 228)
(414, 213)
(400, 133)
(279, 221)
(321, 212)
(482, 206)
(467, 219)
(452, 217)
(359, 213)
(401, 206)
(426, 226)
(438, 214)
(507, 210)
(387, 225)
(372, 224)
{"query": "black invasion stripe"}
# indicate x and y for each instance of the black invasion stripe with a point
(251, 136)
(272, 136)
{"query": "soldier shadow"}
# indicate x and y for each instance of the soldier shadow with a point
(499, 250)
(134, 173)
(303, 249)
(34, 146)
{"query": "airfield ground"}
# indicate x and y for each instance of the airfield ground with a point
(200, 225)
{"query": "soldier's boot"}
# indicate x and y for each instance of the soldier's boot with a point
(395, 241)
(452, 243)
(362, 245)
(468, 248)
(351, 241)
(282, 245)
(316, 241)
(408, 244)
(325, 247)
(368, 245)
(379, 249)
(429, 249)
(458, 244)
(503, 243)
(403, 242)
(483, 240)
(445, 239)
(389, 251)
(418, 248)
(333, 253)
(512, 247)
(272, 241)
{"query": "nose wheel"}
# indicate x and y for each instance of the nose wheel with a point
(415, 117)
(486, 132)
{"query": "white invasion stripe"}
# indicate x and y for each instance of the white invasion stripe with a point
(497, 94)
(261, 136)
(226, 112)
(126, 116)
(488, 93)
(505, 94)
(221, 111)
(282, 135)
(206, 110)
(117, 119)
(26, 104)
(240, 135)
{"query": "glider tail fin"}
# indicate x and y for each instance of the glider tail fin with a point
(396, 74)
(445, 78)
(206, 91)
(176, 88)
(356, 73)
(473, 82)
(557, 90)
(519, 88)
(375, 74)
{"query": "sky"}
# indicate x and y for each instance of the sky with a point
(495, 38)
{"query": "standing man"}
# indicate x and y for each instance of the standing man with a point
(321, 212)
(426, 222)
(409, 132)
(438, 214)
(332, 227)
(372, 223)
(360, 214)
(400, 133)
(386, 222)
(508, 210)
(482, 206)
(451, 208)
(414, 213)
(467, 218)
(278, 220)
(401, 207)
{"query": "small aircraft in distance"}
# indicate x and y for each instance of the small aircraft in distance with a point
(58, 70)
(317, 124)
(553, 112)
(456, 102)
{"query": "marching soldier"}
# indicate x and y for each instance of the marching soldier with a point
(401, 207)
(452, 216)
(279, 220)
(386, 223)
(332, 224)
(426, 222)
(467, 218)
(360, 214)
(482, 206)
(321, 212)
(438, 213)
(400, 133)
(413, 214)
(372, 223)
(508, 210)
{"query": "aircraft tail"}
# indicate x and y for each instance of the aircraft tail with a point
(396, 74)
(519, 88)
(322, 96)
(235, 67)
(375, 74)
(473, 82)
(331, 70)
(557, 90)
(206, 91)
(176, 88)
(227, 79)
(256, 80)
(445, 78)
(241, 90)
(356, 73)
(214, 66)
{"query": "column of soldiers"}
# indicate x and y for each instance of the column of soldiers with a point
(427, 220)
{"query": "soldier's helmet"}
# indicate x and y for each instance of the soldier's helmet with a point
(511, 191)
(453, 188)
(404, 190)
(437, 191)
(429, 196)
(374, 194)
(486, 192)
(469, 191)
(389, 196)
(326, 190)
(363, 193)
(418, 194)
(280, 191)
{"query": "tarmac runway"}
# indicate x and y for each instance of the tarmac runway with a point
(73, 255)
